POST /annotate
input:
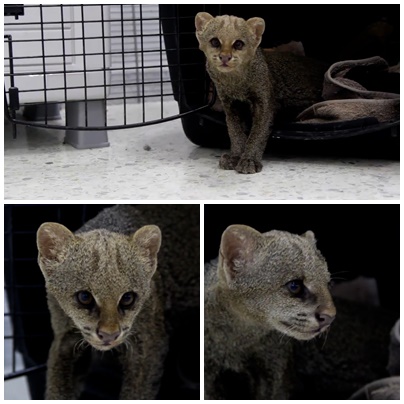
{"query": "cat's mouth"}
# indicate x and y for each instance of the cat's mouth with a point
(102, 345)
(103, 341)
(225, 66)
(302, 334)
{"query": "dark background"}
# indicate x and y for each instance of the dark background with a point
(360, 239)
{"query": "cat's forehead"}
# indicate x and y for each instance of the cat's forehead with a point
(229, 21)
(286, 239)
(297, 254)
(228, 25)
(103, 244)
(104, 254)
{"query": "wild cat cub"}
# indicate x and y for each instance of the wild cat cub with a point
(103, 292)
(253, 86)
(263, 288)
(120, 290)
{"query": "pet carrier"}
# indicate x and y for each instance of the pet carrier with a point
(28, 333)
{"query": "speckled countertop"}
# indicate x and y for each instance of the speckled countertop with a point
(159, 163)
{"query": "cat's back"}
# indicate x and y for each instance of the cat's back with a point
(297, 80)
(122, 219)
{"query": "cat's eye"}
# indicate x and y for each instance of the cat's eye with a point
(238, 45)
(295, 287)
(85, 298)
(215, 42)
(127, 300)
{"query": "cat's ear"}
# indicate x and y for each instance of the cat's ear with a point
(201, 19)
(147, 241)
(257, 26)
(309, 235)
(237, 249)
(52, 240)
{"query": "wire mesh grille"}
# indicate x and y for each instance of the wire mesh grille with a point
(127, 55)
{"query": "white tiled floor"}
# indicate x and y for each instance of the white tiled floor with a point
(38, 166)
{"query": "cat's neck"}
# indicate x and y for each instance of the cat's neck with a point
(227, 327)
(221, 309)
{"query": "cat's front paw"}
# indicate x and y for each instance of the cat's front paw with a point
(248, 166)
(228, 162)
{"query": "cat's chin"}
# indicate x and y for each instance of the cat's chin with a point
(305, 336)
(225, 68)
(105, 347)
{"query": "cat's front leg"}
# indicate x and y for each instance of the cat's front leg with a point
(213, 389)
(238, 137)
(60, 383)
(143, 366)
(250, 160)
(228, 161)
(141, 380)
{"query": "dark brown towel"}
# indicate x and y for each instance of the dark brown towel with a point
(347, 98)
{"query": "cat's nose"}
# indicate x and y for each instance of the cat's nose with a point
(324, 319)
(107, 337)
(225, 57)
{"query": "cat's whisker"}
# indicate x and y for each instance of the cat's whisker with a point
(128, 346)
(325, 339)
(132, 336)
(290, 328)
(80, 345)
(75, 347)
(340, 272)
(339, 278)
(129, 342)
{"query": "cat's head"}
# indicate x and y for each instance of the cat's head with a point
(228, 42)
(276, 279)
(100, 279)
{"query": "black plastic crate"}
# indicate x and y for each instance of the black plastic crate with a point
(324, 30)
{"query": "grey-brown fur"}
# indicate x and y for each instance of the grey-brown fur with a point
(257, 85)
(249, 311)
(247, 354)
(112, 254)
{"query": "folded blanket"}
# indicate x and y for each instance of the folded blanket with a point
(346, 96)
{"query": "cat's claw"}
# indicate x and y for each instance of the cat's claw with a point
(228, 162)
(248, 166)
